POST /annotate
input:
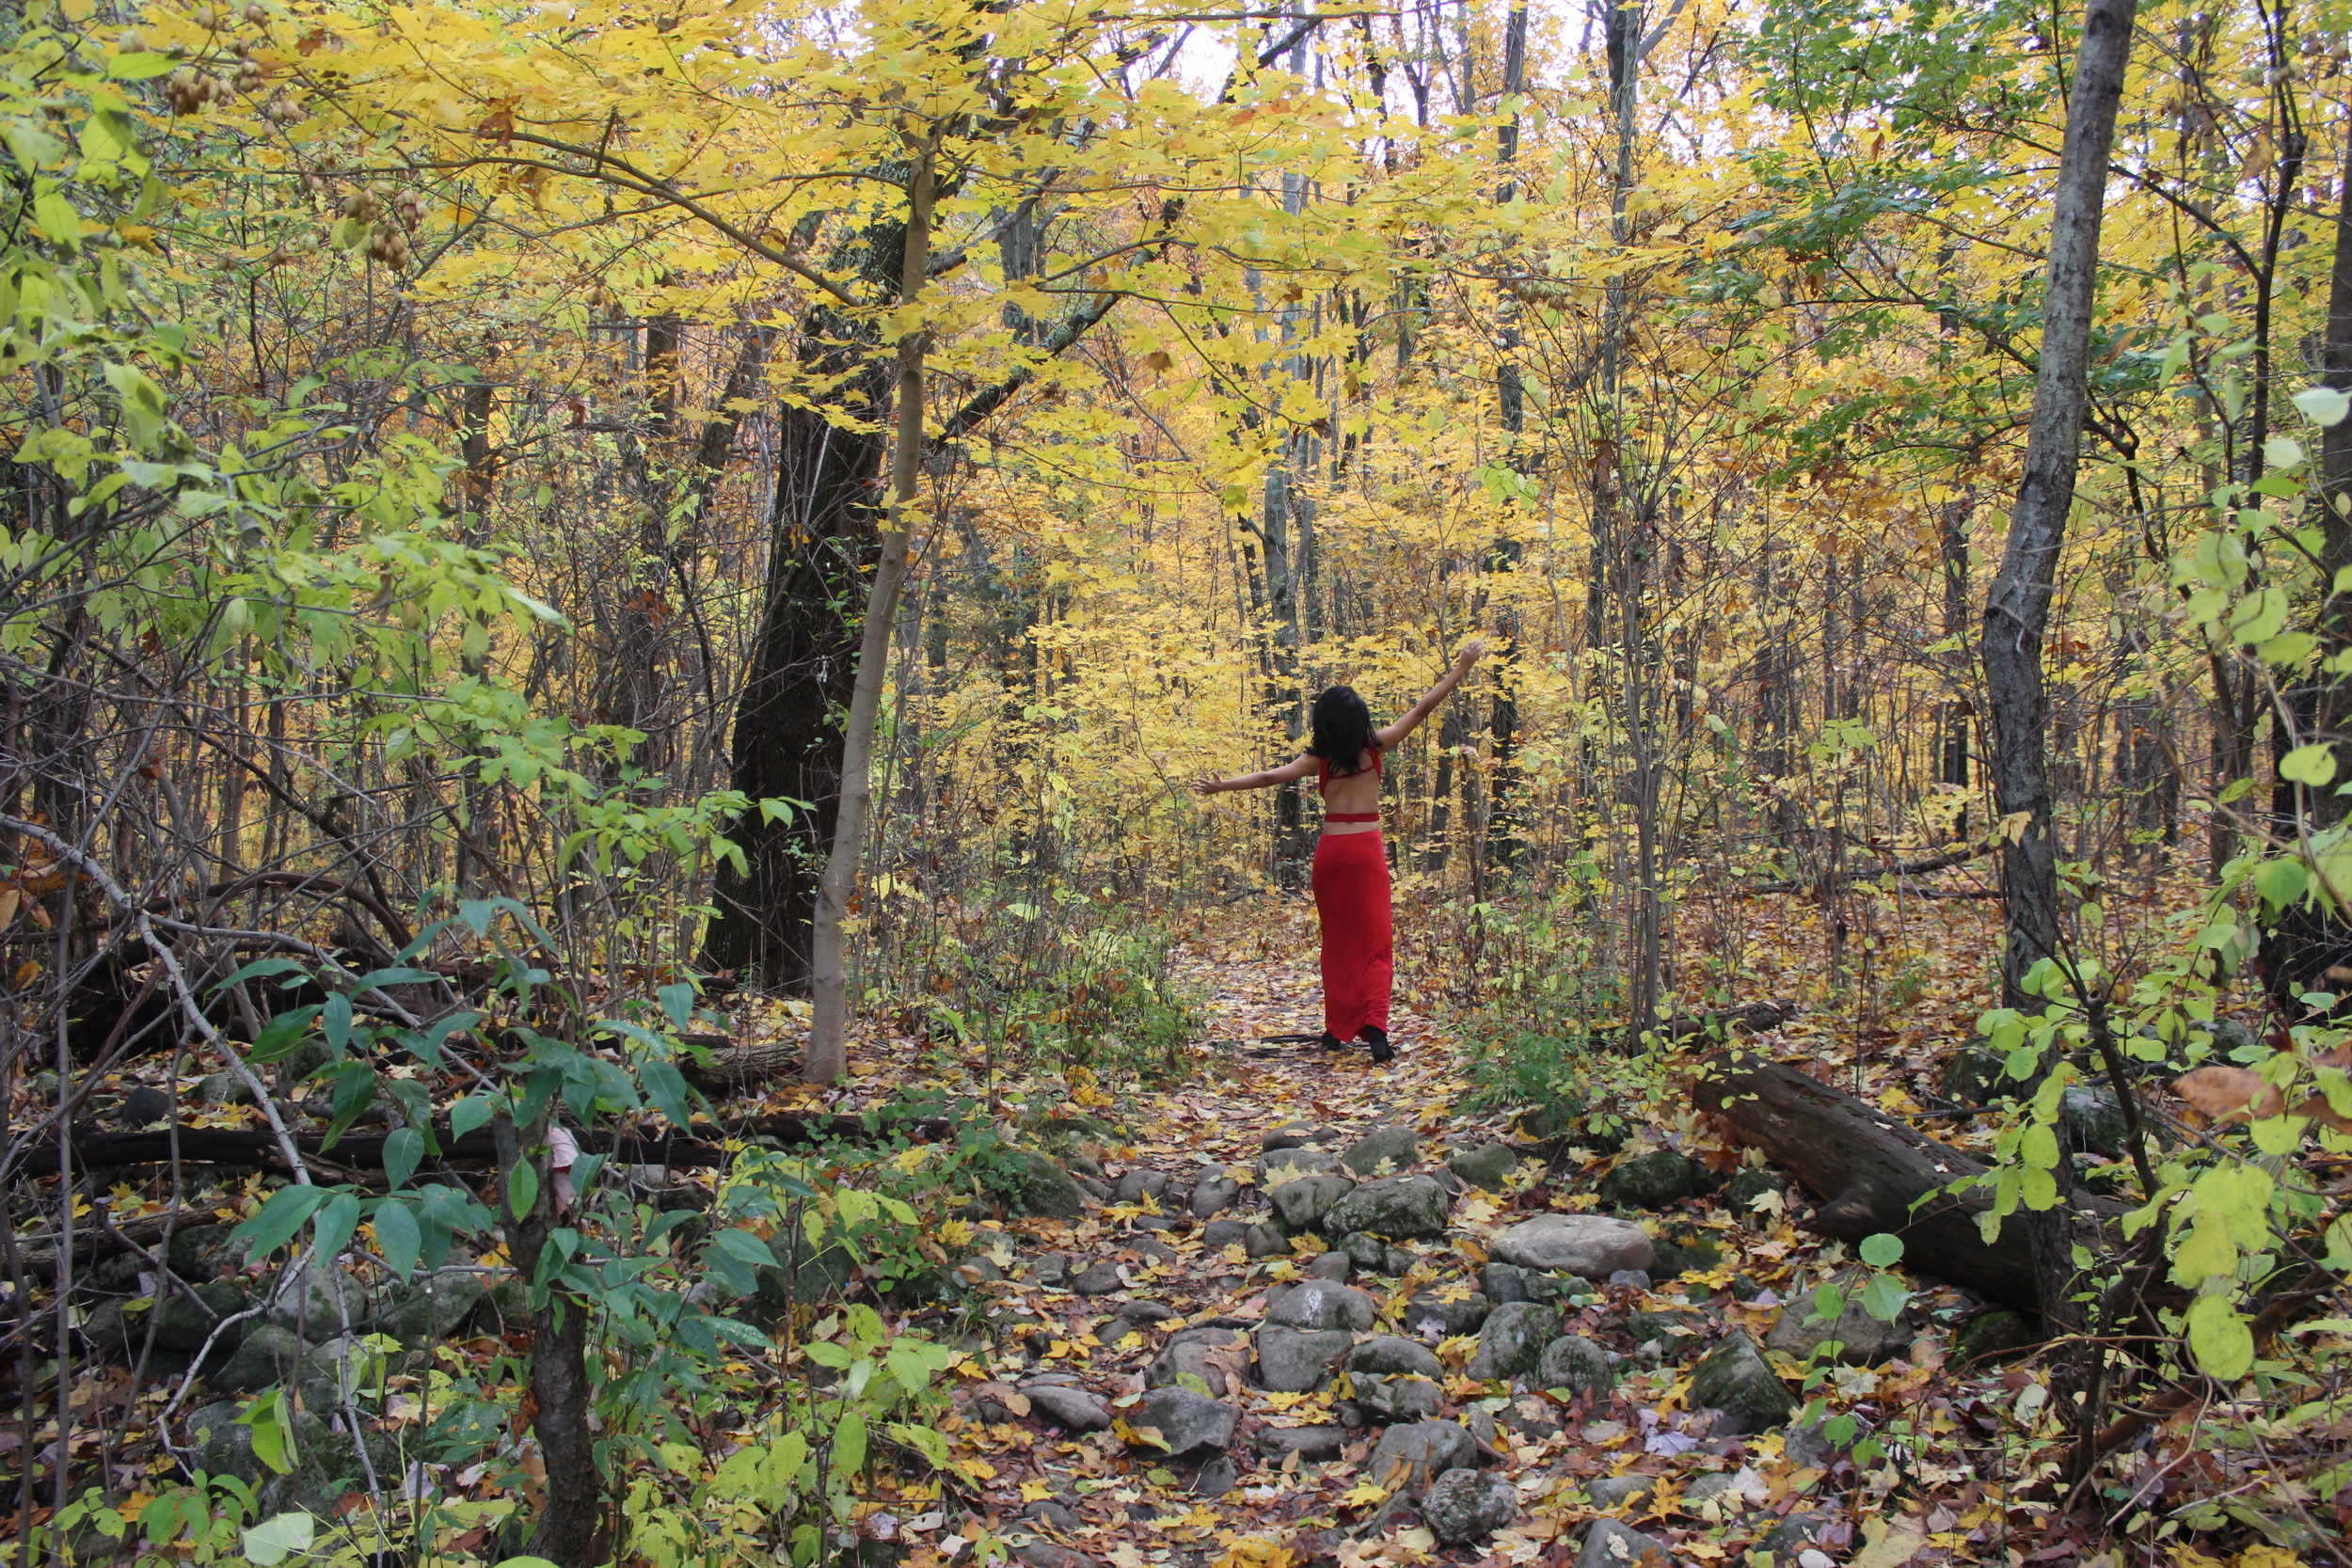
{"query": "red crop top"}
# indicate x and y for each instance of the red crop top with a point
(1322, 784)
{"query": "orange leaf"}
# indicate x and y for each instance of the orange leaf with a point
(2228, 1093)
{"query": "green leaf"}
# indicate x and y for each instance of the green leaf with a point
(2323, 405)
(145, 63)
(742, 1244)
(667, 1087)
(2312, 764)
(2281, 882)
(273, 1431)
(397, 1235)
(56, 218)
(1885, 1298)
(523, 1188)
(1882, 1251)
(276, 1538)
(279, 1219)
(403, 1151)
(338, 1217)
(849, 1446)
(677, 1003)
(2218, 1337)
(469, 1113)
(826, 1353)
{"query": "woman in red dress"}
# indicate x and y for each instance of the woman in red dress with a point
(1351, 879)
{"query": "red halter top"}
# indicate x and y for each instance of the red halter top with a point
(1323, 786)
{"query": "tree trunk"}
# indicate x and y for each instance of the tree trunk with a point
(828, 1036)
(2335, 518)
(786, 744)
(2017, 610)
(569, 1523)
(1869, 1170)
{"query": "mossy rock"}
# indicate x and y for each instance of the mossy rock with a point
(1650, 1181)
(1038, 1186)
(1990, 1336)
(1679, 1256)
(1975, 1076)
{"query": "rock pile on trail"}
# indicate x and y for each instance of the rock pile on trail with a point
(1359, 1337)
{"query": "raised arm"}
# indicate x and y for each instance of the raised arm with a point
(1264, 780)
(1395, 735)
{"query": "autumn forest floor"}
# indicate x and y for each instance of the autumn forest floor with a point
(1174, 1289)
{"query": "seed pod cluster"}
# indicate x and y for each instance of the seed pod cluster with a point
(188, 89)
(389, 244)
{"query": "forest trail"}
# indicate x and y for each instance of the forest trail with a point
(1306, 1416)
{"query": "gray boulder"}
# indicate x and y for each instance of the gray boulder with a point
(1383, 1151)
(1486, 1167)
(1264, 1240)
(1620, 1490)
(1301, 1204)
(432, 1307)
(181, 1325)
(1073, 1409)
(1187, 1422)
(1398, 1399)
(1294, 1360)
(321, 1302)
(1333, 1266)
(1220, 1234)
(1577, 1365)
(1364, 1249)
(1591, 1245)
(1289, 1164)
(2093, 1119)
(1512, 1339)
(1975, 1075)
(1797, 1333)
(1610, 1544)
(1462, 1506)
(1212, 1193)
(1139, 1184)
(1509, 1282)
(1097, 1279)
(1408, 1457)
(1391, 1357)
(330, 1468)
(1320, 1304)
(344, 1370)
(1650, 1181)
(1736, 1379)
(198, 1252)
(225, 1448)
(1398, 1206)
(1315, 1443)
(1186, 1352)
(1459, 1315)
(1038, 1186)
(1739, 1194)
(267, 1359)
(223, 1088)
(1989, 1335)
(1678, 1332)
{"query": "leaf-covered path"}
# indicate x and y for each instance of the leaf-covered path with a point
(1179, 1311)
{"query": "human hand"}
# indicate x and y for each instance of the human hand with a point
(1471, 652)
(1204, 785)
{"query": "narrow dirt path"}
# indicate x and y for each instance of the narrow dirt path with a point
(1314, 1421)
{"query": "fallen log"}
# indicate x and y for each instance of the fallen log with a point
(1868, 1169)
(733, 1066)
(1753, 1018)
(703, 1147)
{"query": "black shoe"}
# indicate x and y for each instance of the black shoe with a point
(1332, 1041)
(1378, 1040)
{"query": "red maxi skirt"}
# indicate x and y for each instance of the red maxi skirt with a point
(1351, 882)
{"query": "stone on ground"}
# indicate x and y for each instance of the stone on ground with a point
(1408, 1458)
(1620, 1490)
(1736, 1379)
(1187, 1422)
(1296, 1360)
(268, 1357)
(1289, 1164)
(1989, 1335)
(1486, 1167)
(1301, 1204)
(1043, 1188)
(431, 1308)
(1214, 1192)
(1797, 1333)
(1138, 1184)
(1188, 1353)
(1264, 1240)
(1463, 1506)
(1460, 1316)
(1610, 1544)
(1739, 1194)
(1650, 1181)
(1390, 1355)
(1097, 1279)
(1401, 1208)
(1398, 1399)
(1321, 1304)
(1591, 1245)
(1383, 1151)
(1678, 1332)
(1577, 1365)
(1073, 1409)
(1315, 1443)
(1333, 1266)
(1509, 1282)
(1512, 1339)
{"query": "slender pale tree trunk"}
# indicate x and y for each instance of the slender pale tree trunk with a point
(828, 1055)
(2017, 609)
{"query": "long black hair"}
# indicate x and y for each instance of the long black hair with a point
(1343, 731)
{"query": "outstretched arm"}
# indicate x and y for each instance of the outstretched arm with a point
(1264, 780)
(1395, 735)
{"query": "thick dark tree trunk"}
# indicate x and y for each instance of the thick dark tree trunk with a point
(788, 735)
(1870, 1171)
(2017, 610)
(2335, 465)
(571, 1521)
